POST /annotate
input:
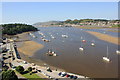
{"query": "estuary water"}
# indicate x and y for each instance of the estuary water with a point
(88, 62)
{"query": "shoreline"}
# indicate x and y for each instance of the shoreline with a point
(29, 50)
(105, 37)
(23, 51)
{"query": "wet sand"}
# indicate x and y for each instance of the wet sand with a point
(105, 37)
(26, 46)
(29, 48)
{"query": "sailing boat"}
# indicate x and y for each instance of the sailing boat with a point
(117, 51)
(106, 58)
(83, 40)
(81, 48)
(93, 43)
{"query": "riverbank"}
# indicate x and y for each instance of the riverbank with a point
(105, 37)
(29, 48)
(26, 46)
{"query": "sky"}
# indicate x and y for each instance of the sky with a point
(32, 12)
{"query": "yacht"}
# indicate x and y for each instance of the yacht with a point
(81, 48)
(106, 59)
(64, 36)
(92, 44)
(117, 51)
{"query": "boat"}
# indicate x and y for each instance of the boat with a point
(117, 51)
(41, 33)
(83, 40)
(64, 36)
(45, 40)
(52, 37)
(32, 35)
(92, 44)
(106, 59)
(81, 48)
(51, 53)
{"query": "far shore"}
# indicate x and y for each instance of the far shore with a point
(83, 27)
(105, 37)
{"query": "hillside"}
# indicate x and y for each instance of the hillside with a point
(46, 23)
(13, 29)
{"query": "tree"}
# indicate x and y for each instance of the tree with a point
(29, 69)
(12, 29)
(9, 75)
(68, 21)
(20, 69)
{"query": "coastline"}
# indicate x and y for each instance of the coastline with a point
(27, 48)
(105, 37)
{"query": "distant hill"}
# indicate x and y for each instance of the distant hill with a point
(47, 23)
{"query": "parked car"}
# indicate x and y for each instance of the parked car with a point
(63, 74)
(71, 76)
(67, 75)
(39, 70)
(59, 74)
(49, 70)
(75, 77)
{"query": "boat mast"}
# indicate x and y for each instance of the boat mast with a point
(107, 51)
(81, 41)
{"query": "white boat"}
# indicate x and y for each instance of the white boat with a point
(106, 59)
(41, 33)
(92, 44)
(53, 37)
(81, 48)
(64, 36)
(54, 54)
(117, 51)
(32, 35)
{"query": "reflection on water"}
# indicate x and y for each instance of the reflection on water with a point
(88, 63)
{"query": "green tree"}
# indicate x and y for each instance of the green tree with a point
(9, 75)
(12, 29)
(68, 21)
(20, 69)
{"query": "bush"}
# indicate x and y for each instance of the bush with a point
(9, 75)
(30, 69)
(4, 68)
(20, 69)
